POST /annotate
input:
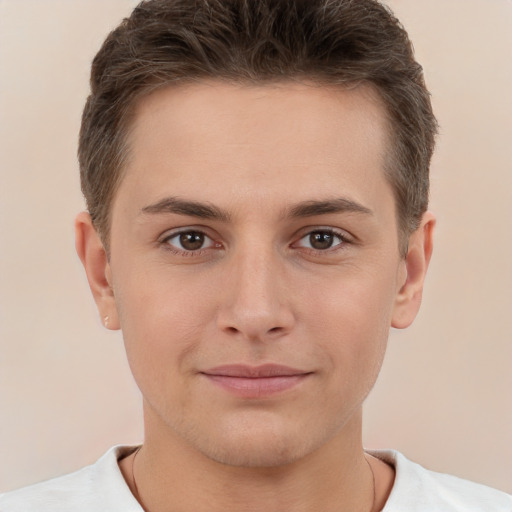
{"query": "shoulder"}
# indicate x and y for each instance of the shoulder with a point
(417, 489)
(100, 486)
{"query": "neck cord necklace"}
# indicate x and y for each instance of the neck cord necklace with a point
(373, 482)
(139, 499)
(137, 494)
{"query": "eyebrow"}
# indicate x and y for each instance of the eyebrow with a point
(186, 207)
(208, 211)
(336, 205)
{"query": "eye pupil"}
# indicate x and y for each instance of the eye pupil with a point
(192, 240)
(321, 240)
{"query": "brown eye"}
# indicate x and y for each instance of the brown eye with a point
(321, 240)
(191, 241)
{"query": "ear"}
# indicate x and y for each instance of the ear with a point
(408, 299)
(94, 259)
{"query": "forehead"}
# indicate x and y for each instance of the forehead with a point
(198, 110)
(211, 138)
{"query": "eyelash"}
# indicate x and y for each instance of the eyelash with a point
(184, 252)
(341, 236)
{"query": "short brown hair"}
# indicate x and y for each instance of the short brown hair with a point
(333, 42)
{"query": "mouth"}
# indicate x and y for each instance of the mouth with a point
(255, 381)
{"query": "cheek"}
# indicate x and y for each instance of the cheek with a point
(163, 320)
(353, 315)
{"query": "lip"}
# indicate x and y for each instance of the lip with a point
(255, 381)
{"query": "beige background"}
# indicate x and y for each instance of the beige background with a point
(66, 394)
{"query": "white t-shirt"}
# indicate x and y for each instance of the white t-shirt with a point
(102, 488)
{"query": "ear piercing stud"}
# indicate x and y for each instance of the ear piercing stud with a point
(105, 321)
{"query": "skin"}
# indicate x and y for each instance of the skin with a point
(263, 286)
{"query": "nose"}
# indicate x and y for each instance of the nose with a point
(256, 304)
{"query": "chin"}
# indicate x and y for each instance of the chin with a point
(260, 444)
(255, 453)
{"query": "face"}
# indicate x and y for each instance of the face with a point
(254, 267)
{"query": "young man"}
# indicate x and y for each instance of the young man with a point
(256, 175)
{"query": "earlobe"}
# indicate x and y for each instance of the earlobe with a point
(408, 299)
(91, 252)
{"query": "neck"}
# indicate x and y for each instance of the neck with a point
(171, 475)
